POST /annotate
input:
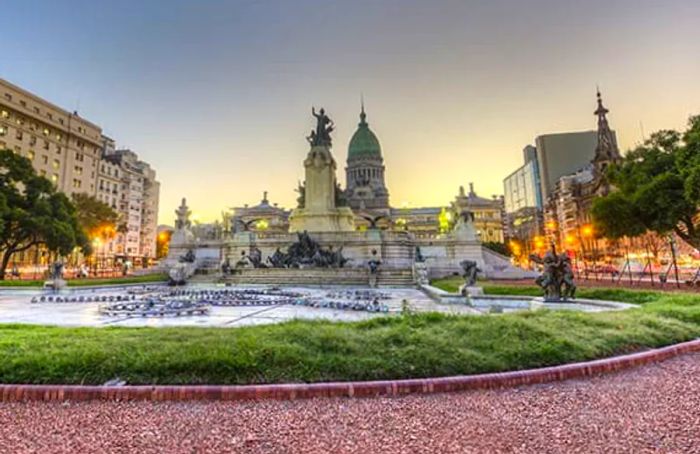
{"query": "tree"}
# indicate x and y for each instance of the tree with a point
(658, 188)
(32, 213)
(95, 217)
(501, 248)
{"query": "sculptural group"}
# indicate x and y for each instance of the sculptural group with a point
(557, 279)
(305, 252)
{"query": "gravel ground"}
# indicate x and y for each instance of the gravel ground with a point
(650, 409)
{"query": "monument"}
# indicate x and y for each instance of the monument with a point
(322, 207)
(557, 278)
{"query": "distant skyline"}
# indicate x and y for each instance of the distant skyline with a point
(217, 95)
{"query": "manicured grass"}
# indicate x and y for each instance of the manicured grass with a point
(307, 351)
(86, 282)
(451, 284)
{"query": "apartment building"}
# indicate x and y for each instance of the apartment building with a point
(73, 153)
(61, 145)
(137, 202)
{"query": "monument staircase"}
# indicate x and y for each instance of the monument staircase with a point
(388, 277)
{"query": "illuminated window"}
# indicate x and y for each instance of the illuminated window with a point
(54, 178)
(5, 114)
(42, 172)
(3, 130)
(56, 163)
(77, 183)
(46, 132)
(78, 170)
(30, 155)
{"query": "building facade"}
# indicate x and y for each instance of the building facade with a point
(563, 154)
(137, 204)
(364, 174)
(73, 153)
(61, 145)
(568, 209)
(523, 200)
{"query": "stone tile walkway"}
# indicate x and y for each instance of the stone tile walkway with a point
(15, 307)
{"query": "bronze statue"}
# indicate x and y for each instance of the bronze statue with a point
(306, 252)
(557, 278)
(373, 220)
(301, 199)
(324, 126)
(470, 269)
(255, 258)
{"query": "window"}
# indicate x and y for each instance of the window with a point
(36, 110)
(58, 150)
(78, 170)
(58, 137)
(30, 155)
(32, 140)
(79, 157)
(60, 120)
(19, 135)
(44, 159)
(3, 130)
(56, 163)
(46, 144)
(50, 116)
(4, 114)
(54, 178)
(46, 131)
(19, 121)
(42, 172)
(8, 96)
(23, 103)
(77, 183)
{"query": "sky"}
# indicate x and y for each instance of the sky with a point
(216, 94)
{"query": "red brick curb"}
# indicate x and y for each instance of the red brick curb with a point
(11, 393)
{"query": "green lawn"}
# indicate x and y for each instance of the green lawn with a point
(307, 351)
(451, 284)
(86, 282)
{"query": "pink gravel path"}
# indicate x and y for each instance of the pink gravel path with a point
(651, 409)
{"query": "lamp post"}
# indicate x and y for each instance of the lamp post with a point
(96, 242)
(587, 233)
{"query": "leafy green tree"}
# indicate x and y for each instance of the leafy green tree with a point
(33, 213)
(501, 248)
(95, 217)
(658, 188)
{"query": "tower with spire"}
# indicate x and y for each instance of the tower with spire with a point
(606, 151)
(365, 186)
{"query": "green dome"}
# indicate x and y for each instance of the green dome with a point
(364, 143)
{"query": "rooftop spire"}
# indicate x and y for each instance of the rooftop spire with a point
(363, 115)
(606, 151)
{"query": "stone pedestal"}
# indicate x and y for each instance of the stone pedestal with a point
(336, 220)
(319, 213)
(471, 291)
(55, 284)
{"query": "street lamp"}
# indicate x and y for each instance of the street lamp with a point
(96, 243)
(587, 232)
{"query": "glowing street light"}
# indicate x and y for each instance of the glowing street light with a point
(587, 231)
